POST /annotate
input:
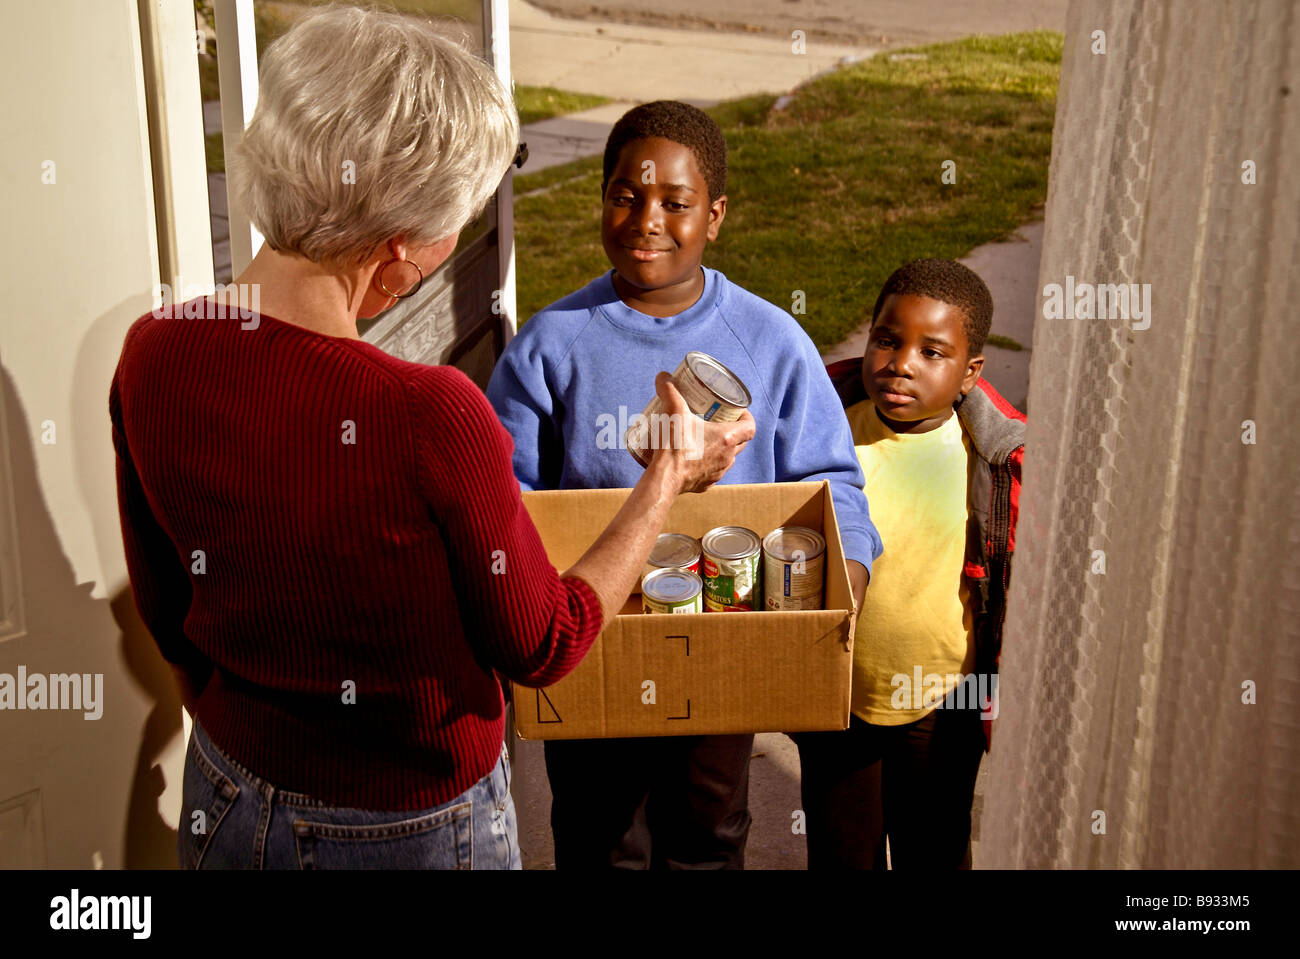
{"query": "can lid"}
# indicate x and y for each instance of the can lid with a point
(672, 585)
(725, 384)
(783, 543)
(731, 542)
(674, 549)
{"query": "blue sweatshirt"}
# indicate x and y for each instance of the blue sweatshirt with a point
(570, 383)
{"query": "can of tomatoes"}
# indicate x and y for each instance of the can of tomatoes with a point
(733, 569)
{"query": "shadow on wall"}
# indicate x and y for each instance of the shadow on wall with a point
(149, 841)
(95, 804)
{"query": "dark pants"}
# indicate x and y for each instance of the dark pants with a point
(913, 784)
(668, 802)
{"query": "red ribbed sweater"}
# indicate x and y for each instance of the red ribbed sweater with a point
(341, 535)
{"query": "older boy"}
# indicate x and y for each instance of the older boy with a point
(675, 802)
(945, 492)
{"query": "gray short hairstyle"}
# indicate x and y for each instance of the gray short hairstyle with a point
(424, 127)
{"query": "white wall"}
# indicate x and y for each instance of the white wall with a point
(80, 262)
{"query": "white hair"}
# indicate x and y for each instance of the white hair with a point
(422, 127)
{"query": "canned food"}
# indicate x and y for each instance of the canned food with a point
(794, 568)
(711, 390)
(733, 569)
(671, 591)
(674, 551)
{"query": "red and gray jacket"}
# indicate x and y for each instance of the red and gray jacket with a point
(997, 437)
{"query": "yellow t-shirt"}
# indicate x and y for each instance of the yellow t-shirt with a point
(915, 637)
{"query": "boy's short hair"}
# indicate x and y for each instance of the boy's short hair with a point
(949, 282)
(681, 123)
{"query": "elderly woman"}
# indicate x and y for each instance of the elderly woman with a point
(328, 543)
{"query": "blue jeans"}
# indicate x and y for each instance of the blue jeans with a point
(233, 819)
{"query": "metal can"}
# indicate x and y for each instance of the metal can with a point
(794, 568)
(674, 551)
(671, 591)
(733, 569)
(711, 390)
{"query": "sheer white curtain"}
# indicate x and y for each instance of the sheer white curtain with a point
(1157, 576)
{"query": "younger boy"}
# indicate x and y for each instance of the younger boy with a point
(944, 493)
(672, 801)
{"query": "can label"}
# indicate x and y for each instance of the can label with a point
(787, 588)
(732, 585)
(692, 605)
(794, 562)
(672, 591)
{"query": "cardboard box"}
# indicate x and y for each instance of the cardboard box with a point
(691, 674)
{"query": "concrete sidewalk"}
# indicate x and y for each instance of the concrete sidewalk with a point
(640, 63)
(889, 23)
(633, 64)
(569, 137)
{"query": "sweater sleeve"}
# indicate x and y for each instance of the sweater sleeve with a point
(525, 404)
(526, 621)
(814, 442)
(160, 581)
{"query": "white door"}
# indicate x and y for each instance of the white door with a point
(87, 763)
(103, 197)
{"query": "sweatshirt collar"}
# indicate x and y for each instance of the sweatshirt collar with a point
(625, 318)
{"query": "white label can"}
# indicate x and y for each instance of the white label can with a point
(794, 568)
(712, 392)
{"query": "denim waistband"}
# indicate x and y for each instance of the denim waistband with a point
(203, 742)
(285, 796)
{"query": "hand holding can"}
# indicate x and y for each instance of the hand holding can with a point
(712, 393)
(700, 452)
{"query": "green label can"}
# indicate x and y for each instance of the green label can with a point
(671, 591)
(733, 569)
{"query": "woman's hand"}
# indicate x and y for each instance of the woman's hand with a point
(697, 453)
(696, 456)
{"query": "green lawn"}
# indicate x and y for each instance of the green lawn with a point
(831, 194)
(539, 103)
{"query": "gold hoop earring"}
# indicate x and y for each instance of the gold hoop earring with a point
(400, 296)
